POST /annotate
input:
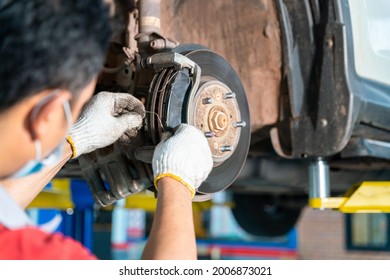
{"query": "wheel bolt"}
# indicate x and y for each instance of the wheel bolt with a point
(229, 95)
(239, 124)
(226, 149)
(209, 134)
(206, 101)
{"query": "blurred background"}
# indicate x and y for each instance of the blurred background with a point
(120, 231)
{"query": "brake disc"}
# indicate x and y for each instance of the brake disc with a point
(218, 108)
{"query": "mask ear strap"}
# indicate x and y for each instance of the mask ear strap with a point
(38, 150)
(33, 116)
(34, 113)
(68, 114)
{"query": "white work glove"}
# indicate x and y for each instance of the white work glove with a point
(185, 157)
(106, 118)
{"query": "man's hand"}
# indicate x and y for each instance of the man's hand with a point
(104, 120)
(185, 157)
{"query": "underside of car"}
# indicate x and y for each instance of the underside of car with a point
(274, 85)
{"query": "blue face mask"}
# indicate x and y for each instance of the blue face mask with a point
(37, 164)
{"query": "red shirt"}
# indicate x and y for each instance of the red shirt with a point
(30, 243)
(20, 240)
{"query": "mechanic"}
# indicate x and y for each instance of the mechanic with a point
(51, 53)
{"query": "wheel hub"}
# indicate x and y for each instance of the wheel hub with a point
(215, 113)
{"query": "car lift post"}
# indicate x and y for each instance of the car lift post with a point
(319, 186)
(365, 197)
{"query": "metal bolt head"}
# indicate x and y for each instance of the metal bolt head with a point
(329, 42)
(268, 30)
(324, 123)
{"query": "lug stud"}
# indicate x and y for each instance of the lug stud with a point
(229, 95)
(209, 134)
(224, 149)
(239, 124)
(206, 101)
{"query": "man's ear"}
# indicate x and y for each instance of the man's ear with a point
(48, 113)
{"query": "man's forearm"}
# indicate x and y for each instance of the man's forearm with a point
(173, 233)
(24, 190)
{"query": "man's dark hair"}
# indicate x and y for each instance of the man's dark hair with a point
(48, 44)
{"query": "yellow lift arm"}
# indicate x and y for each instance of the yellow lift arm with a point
(367, 197)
